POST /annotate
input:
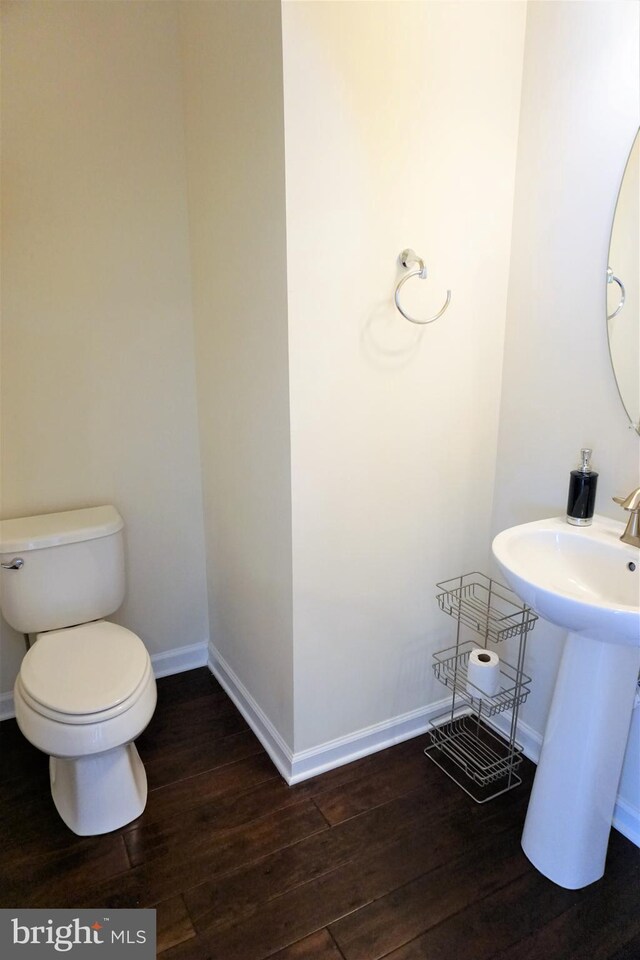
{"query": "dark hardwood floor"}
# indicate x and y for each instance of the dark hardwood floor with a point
(385, 857)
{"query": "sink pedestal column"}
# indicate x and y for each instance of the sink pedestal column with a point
(568, 822)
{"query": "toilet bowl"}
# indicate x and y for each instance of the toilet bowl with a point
(86, 691)
(83, 696)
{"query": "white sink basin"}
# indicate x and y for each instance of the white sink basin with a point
(576, 577)
(582, 579)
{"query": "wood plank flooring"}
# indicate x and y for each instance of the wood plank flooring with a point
(385, 857)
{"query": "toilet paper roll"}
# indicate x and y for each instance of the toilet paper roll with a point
(483, 673)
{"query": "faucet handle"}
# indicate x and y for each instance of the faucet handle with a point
(632, 502)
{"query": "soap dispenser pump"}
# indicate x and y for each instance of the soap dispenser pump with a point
(582, 492)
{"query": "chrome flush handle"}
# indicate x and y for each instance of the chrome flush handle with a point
(16, 564)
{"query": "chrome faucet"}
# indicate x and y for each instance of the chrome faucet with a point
(632, 504)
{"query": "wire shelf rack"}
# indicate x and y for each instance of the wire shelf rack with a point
(487, 607)
(481, 754)
(480, 759)
(450, 668)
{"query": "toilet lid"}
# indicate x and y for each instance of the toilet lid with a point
(85, 669)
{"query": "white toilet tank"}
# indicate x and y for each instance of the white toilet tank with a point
(72, 570)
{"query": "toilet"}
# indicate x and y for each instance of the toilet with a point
(86, 688)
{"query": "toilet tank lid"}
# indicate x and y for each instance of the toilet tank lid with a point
(54, 529)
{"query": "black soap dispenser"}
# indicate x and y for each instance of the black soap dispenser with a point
(582, 492)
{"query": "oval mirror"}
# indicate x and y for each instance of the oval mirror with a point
(623, 288)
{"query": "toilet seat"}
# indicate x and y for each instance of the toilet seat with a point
(85, 674)
(85, 718)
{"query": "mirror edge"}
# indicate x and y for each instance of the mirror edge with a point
(632, 424)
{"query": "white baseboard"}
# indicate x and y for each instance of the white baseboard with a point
(7, 710)
(265, 731)
(379, 736)
(179, 659)
(164, 664)
(528, 738)
(626, 818)
(295, 767)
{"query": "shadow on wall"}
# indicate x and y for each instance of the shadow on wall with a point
(388, 341)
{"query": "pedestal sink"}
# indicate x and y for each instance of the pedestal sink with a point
(585, 580)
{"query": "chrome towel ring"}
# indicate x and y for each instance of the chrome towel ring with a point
(406, 257)
(611, 278)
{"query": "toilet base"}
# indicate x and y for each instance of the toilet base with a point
(100, 792)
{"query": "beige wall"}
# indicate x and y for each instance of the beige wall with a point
(234, 121)
(401, 126)
(580, 111)
(98, 385)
